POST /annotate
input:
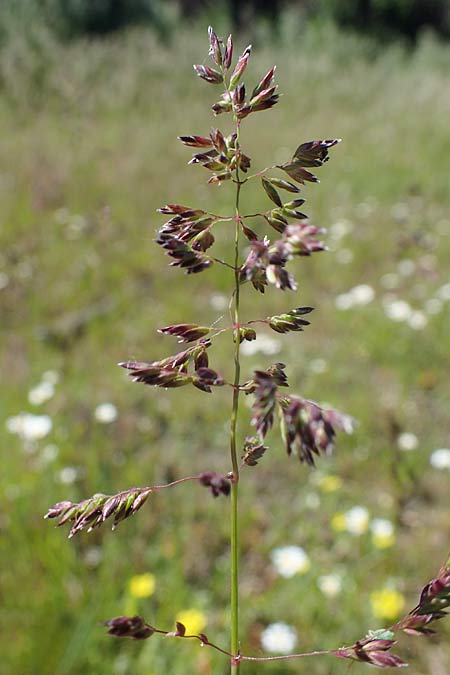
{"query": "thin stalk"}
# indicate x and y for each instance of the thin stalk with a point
(234, 460)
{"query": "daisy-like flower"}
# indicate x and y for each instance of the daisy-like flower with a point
(357, 520)
(383, 533)
(386, 603)
(142, 585)
(105, 413)
(218, 301)
(193, 619)
(43, 392)
(330, 584)
(360, 295)
(279, 638)
(68, 475)
(407, 441)
(440, 458)
(397, 310)
(417, 320)
(290, 560)
(29, 427)
(264, 344)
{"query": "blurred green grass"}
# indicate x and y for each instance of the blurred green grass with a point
(88, 152)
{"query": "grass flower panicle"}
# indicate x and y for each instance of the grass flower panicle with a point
(275, 237)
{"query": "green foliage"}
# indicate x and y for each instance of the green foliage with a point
(75, 18)
(389, 18)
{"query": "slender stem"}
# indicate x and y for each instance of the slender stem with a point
(153, 488)
(234, 460)
(221, 262)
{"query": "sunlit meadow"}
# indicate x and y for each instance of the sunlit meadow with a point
(89, 152)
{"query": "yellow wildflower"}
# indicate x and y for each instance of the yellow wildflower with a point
(142, 585)
(383, 540)
(193, 619)
(330, 483)
(387, 603)
(339, 522)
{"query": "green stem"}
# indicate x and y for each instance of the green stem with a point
(234, 460)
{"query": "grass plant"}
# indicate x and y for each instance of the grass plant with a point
(79, 280)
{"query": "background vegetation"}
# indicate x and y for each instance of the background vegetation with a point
(88, 152)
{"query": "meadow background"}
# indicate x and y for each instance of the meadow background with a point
(88, 152)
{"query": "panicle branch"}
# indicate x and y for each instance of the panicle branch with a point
(94, 511)
(433, 603)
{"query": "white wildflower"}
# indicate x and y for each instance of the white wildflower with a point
(407, 441)
(440, 458)
(417, 320)
(443, 293)
(264, 344)
(383, 533)
(340, 229)
(279, 637)
(330, 584)
(357, 520)
(68, 475)
(105, 413)
(362, 294)
(397, 310)
(218, 301)
(41, 393)
(312, 501)
(382, 527)
(290, 560)
(49, 454)
(343, 301)
(357, 296)
(29, 427)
